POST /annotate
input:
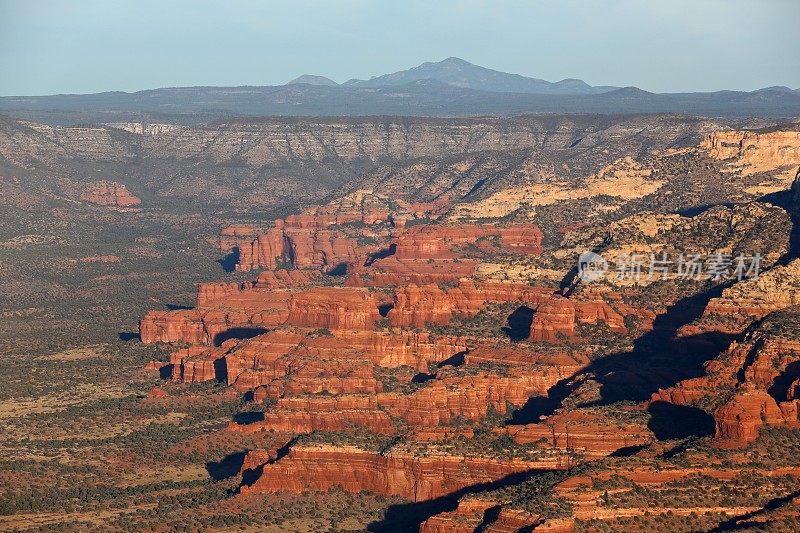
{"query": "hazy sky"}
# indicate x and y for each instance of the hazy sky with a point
(79, 46)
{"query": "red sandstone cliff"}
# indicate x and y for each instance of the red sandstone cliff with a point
(417, 478)
(302, 247)
(334, 308)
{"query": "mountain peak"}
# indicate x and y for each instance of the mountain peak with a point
(461, 73)
(455, 60)
(629, 92)
(311, 79)
(573, 82)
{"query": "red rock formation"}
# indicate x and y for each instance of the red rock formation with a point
(759, 399)
(334, 308)
(263, 359)
(110, 194)
(517, 358)
(362, 206)
(555, 317)
(316, 237)
(324, 413)
(259, 360)
(437, 404)
(416, 306)
(302, 245)
(469, 397)
(223, 307)
(212, 292)
(472, 514)
(321, 248)
(590, 433)
(391, 271)
(738, 421)
(453, 395)
(391, 349)
(432, 209)
(328, 376)
(324, 363)
(283, 363)
(555, 320)
(466, 518)
(322, 378)
(417, 478)
(684, 393)
(197, 364)
(305, 240)
(512, 520)
(254, 459)
(263, 251)
(172, 326)
(233, 236)
(204, 325)
(440, 241)
(278, 279)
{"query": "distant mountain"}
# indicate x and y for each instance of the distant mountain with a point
(460, 73)
(445, 89)
(310, 79)
(781, 88)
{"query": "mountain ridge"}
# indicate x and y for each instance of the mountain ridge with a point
(460, 73)
(443, 89)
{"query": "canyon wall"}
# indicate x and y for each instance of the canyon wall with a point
(398, 474)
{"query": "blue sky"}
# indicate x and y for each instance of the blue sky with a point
(49, 46)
